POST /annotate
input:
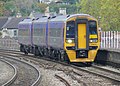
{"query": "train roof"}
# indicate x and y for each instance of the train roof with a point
(87, 15)
(42, 19)
(59, 18)
(26, 21)
(64, 18)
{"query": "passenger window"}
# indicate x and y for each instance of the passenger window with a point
(92, 27)
(70, 29)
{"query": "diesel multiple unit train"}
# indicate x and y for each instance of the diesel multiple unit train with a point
(73, 38)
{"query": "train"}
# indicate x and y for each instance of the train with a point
(71, 38)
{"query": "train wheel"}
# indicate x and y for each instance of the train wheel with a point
(62, 56)
(25, 49)
(50, 54)
(40, 52)
(59, 56)
(36, 51)
(56, 55)
(89, 63)
(46, 52)
(21, 48)
(26, 53)
(66, 59)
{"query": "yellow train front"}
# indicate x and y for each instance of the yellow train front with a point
(81, 38)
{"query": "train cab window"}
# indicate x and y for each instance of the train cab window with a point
(70, 29)
(92, 27)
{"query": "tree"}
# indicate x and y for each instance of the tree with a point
(70, 1)
(5, 0)
(71, 9)
(42, 7)
(108, 10)
(1, 8)
(12, 7)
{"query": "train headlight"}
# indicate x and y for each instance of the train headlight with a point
(70, 40)
(93, 40)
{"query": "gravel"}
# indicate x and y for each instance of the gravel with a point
(48, 78)
(49, 69)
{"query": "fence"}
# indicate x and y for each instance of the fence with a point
(110, 39)
(9, 43)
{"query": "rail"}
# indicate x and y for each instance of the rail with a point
(36, 82)
(63, 80)
(13, 77)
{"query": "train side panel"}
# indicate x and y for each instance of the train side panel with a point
(24, 35)
(39, 34)
(55, 35)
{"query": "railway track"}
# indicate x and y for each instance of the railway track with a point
(27, 73)
(8, 77)
(96, 70)
(62, 79)
(102, 72)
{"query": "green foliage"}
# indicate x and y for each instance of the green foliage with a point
(70, 8)
(35, 7)
(42, 7)
(5, 0)
(12, 7)
(70, 1)
(1, 8)
(108, 10)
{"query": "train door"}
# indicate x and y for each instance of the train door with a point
(82, 34)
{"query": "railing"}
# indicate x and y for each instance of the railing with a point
(9, 43)
(110, 39)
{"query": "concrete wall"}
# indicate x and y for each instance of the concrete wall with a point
(9, 43)
(108, 56)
